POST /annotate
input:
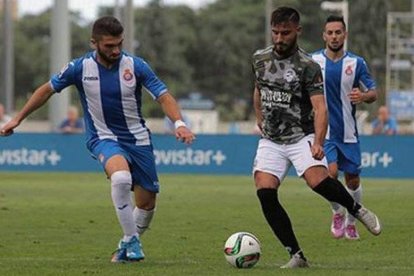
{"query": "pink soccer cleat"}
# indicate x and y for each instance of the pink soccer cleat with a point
(338, 225)
(351, 232)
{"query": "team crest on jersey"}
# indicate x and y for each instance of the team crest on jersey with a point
(289, 75)
(127, 75)
(349, 70)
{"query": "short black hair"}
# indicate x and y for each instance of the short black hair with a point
(336, 18)
(285, 14)
(107, 25)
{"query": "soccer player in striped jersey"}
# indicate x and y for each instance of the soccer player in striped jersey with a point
(110, 82)
(347, 83)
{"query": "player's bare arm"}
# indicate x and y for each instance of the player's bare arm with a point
(356, 96)
(321, 125)
(40, 96)
(170, 107)
(257, 107)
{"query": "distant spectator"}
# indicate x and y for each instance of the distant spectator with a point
(170, 127)
(4, 118)
(72, 123)
(384, 123)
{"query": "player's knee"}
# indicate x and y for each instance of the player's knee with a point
(265, 180)
(333, 174)
(146, 200)
(121, 179)
(352, 183)
(315, 175)
(147, 205)
(333, 170)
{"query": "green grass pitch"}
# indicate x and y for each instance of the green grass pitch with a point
(64, 224)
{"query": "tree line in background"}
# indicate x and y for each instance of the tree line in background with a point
(207, 50)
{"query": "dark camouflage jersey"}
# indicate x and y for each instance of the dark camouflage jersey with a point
(285, 88)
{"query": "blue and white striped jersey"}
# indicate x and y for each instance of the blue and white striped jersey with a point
(111, 98)
(340, 78)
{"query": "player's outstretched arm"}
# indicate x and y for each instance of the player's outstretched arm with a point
(39, 98)
(170, 107)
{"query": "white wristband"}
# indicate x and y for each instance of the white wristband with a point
(179, 123)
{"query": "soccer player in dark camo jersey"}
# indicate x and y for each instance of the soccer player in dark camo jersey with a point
(291, 113)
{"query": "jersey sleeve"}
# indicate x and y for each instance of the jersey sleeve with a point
(313, 80)
(364, 76)
(149, 80)
(64, 78)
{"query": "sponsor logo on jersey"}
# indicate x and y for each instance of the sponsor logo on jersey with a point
(127, 75)
(270, 98)
(90, 78)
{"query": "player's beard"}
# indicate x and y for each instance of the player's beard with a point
(285, 50)
(107, 58)
(337, 48)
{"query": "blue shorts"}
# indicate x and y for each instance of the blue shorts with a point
(141, 161)
(346, 155)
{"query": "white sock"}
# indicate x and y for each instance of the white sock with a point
(121, 182)
(357, 195)
(128, 238)
(143, 219)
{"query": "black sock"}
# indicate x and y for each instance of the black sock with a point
(278, 220)
(333, 190)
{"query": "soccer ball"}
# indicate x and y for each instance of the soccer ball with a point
(242, 250)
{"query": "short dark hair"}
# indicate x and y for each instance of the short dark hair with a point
(335, 18)
(285, 14)
(107, 25)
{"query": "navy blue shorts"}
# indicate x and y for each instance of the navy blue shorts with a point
(141, 161)
(346, 155)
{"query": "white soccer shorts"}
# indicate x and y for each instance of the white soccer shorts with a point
(276, 159)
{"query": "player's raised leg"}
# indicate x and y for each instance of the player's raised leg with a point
(332, 190)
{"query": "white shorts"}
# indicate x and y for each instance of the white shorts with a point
(276, 159)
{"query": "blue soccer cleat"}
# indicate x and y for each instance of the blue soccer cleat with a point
(134, 250)
(120, 255)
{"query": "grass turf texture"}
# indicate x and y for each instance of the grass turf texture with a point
(64, 224)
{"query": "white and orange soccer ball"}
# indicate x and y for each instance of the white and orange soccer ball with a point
(242, 250)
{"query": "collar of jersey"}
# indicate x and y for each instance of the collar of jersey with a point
(334, 61)
(116, 64)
